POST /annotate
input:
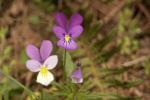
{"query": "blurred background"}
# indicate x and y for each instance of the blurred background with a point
(114, 49)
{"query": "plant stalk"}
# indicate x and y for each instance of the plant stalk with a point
(64, 64)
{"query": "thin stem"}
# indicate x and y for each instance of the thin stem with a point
(65, 58)
(64, 64)
(75, 93)
(21, 85)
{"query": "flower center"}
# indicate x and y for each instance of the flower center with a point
(67, 38)
(43, 70)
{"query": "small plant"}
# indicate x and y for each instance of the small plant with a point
(129, 27)
(82, 62)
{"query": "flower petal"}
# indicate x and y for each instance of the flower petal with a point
(74, 80)
(59, 32)
(71, 45)
(61, 19)
(33, 65)
(76, 31)
(45, 79)
(77, 73)
(76, 19)
(45, 49)
(33, 52)
(51, 62)
(76, 76)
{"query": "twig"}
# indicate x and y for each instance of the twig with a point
(146, 27)
(136, 61)
(144, 10)
(114, 11)
(60, 4)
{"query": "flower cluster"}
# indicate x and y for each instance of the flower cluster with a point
(40, 59)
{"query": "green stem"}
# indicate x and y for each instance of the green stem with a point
(64, 64)
(21, 85)
(75, 93)
(65, 58)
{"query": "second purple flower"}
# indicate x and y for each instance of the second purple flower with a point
(66, 31)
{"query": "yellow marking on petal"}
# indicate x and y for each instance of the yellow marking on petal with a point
(43, 70)
(67, 38)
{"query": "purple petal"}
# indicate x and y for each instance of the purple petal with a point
(45, 49)
(33, 52)
(61, 20)
(76, 76)
(77, 73)
(76, 31)
(33, 65)
(59, 32)
(71, 45)
(76, 19)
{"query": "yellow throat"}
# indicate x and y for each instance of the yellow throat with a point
(43, 70)
(67, 38)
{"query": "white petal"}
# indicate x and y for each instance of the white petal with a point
(77, 81)
(51, 62)
(45, 79)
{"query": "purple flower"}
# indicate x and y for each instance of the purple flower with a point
(41, 61)
(66, 31)
(76, 76)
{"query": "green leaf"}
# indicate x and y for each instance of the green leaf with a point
(34, 19)
(23, 56)
(69, 65)
(120, 97)
(47, 96)
(3, 32)
(27, 90)
(113, 71)
(124, 84)
(7, 50)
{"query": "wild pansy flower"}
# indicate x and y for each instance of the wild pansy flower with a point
(67, 31)
(76, 76)
(41, 61)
